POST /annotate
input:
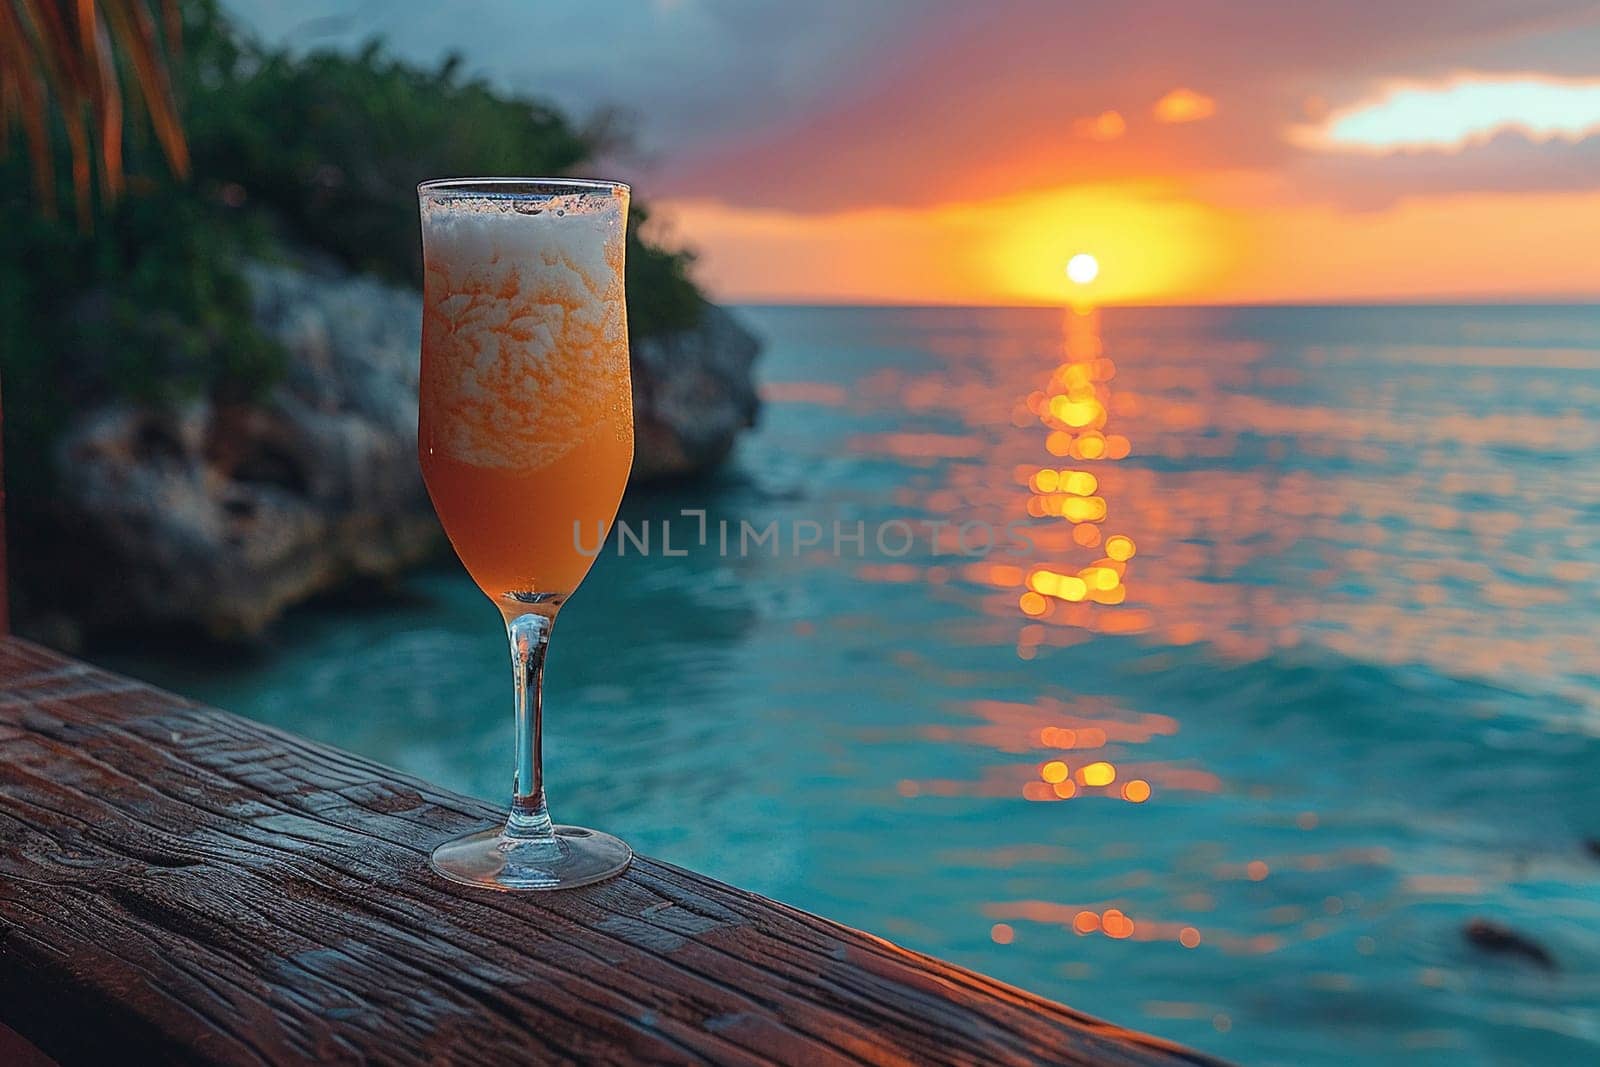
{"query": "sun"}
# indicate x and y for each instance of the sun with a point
(1083, 268)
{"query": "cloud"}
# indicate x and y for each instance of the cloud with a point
(1509, 161)
(989, 98)
(838, 105)
(1468, 109)
(1184, 105)
(687, 73)
(1106, 126)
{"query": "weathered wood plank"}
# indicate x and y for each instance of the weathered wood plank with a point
(183, 884)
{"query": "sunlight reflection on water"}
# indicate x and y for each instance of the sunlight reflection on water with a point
(1275, 503)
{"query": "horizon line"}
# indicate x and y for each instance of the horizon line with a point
(1587, 300)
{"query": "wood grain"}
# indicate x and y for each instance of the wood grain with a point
(181, 884)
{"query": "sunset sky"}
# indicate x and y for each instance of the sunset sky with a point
(943, 152)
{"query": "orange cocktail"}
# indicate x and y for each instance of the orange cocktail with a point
(525, 431)
(525, 435)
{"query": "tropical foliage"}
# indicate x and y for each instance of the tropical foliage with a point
(280, 156)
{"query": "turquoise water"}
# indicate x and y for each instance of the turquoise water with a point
(1355, 666)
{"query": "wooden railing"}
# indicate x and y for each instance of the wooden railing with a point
(178, 884)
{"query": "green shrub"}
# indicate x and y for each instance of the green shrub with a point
(332, 146)
(149, 306)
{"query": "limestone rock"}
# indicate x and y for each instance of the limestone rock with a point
(221, 516)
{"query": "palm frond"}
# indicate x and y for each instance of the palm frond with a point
(26, 99)
(138, 38)
(65, 52)
(107, 101)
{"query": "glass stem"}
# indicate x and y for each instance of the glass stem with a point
(530, 638)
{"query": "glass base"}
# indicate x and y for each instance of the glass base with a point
(493, 860)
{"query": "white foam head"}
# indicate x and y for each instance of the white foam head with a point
(525, 327)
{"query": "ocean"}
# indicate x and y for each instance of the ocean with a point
(1240, 787)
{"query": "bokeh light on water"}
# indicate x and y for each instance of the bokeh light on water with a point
(1295, 673)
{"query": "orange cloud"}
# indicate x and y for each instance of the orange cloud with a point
(1106, 126)
(1184, 105)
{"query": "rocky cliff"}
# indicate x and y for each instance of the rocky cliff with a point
(221, 516)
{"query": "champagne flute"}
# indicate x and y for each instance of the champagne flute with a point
(525, 437)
